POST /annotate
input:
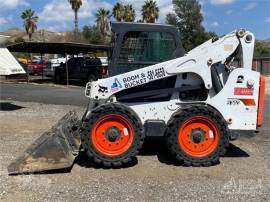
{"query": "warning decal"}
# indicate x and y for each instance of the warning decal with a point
(243, 91)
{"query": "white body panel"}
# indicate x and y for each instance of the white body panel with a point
(230, 101)
(236, 113)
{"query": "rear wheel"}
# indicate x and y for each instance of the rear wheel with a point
(197, 136)
(112, 135)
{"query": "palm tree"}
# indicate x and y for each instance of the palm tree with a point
(75, 5)
(150, 11)
(129, 13)
(30, 21)
(103, 16)
(118, 12)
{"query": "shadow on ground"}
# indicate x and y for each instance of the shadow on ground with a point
(156, 146)
(152, 146)
(38, 79)
(7, 106)
(84, 161)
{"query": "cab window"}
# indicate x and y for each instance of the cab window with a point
(140, 49)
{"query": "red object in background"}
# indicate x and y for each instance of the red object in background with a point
(104, 71)
(261, 101)
(35, 67)
(243, 91)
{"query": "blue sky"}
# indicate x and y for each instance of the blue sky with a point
(221, 16)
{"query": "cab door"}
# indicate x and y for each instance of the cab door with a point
(139, 49)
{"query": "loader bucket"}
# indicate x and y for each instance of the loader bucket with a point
(54, 149)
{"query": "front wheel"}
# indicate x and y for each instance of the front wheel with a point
(112, 135)
(197, 136)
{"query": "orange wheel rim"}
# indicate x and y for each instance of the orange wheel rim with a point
(112, 135)
(198, 136)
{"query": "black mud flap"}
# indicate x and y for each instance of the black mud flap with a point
(54, 149)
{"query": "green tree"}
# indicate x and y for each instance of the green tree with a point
(93, 35)
(75, 5)
(171, 19)
(188, 19)
(30, 22)
(261, 49)
(102, 20)
(129, 13)
(150, 11)
(118, 12)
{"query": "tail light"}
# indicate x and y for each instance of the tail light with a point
(261, 101)
(104, 71)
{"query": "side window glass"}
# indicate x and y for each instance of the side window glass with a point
(147, 47)
(140, 49)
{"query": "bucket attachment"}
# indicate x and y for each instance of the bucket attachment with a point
(54, 149)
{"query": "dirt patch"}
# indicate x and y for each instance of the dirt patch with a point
(243, 174)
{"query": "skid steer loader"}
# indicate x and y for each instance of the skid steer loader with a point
(195, 101)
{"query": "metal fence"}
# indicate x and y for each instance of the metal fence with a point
(262, 65)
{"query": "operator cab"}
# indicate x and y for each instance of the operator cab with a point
(137, 45)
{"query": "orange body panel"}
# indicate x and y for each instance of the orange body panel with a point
(261, 101)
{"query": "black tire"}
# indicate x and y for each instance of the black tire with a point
(95, 116)
(182, 116)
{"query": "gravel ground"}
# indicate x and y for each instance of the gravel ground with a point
(242, 175)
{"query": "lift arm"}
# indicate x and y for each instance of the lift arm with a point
(199, 61)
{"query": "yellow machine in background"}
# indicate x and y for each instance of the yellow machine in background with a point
(23, 60)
